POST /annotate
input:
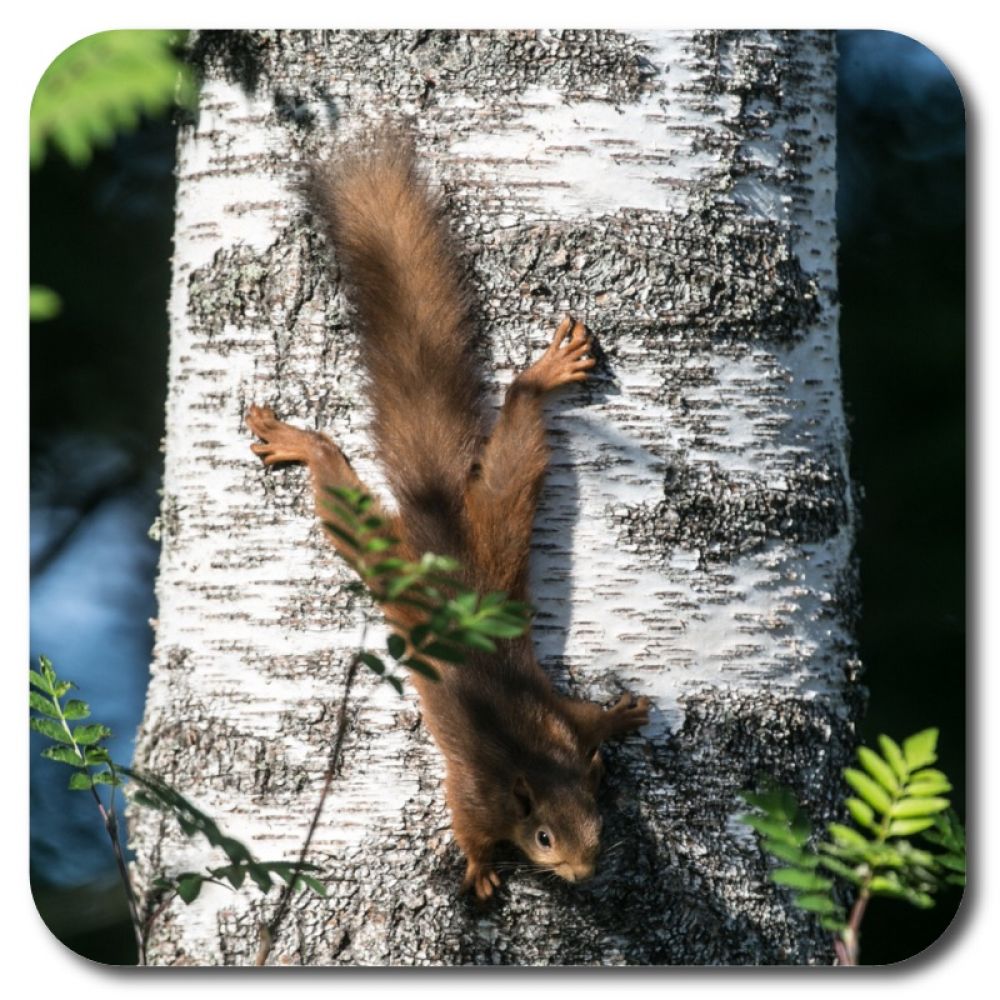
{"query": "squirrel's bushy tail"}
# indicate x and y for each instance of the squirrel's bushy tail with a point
(392, 243)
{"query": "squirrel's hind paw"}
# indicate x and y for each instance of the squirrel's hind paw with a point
(282, 442)
(565, 360)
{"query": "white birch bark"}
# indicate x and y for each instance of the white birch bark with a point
(676, 190)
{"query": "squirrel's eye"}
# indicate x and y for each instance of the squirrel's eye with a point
(544, 839)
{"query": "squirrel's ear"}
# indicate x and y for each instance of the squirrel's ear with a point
(595, 770)
(523, 797)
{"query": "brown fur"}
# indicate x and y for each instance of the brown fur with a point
(521, 760)
(414, 312)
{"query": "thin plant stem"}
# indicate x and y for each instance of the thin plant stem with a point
(269, 932)
(111, 828)
(847, 942)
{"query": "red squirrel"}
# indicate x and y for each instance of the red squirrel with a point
(522, 760)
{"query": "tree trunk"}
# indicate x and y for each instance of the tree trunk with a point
(674, 190)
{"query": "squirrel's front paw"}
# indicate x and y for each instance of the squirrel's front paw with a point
(480, 879)
(629, 713)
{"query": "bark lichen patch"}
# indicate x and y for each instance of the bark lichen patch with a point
(735, 281)
(198, 748)
(771, 75)
(492, 66)
(250, 289)
(724, 515)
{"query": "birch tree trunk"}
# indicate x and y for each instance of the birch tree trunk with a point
(676, 191)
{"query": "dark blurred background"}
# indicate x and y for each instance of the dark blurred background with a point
(101, 236)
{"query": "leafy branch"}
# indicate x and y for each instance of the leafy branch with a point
(101, 86)
(156, 794)
(79, 746)
(454, 619)
(897, 795)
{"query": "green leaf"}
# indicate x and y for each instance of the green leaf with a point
(96, 755)
(878, 769)
(189, 887)
(869, 790)
(907, 827)
(894, 755)
(861, 812)
(419, 634)
(790, 854)
(384, 566)
(346, 537)
(952, 861)
(928, 774)
(234, 874)
(235, 850)
(892, 887)
(260, 875)
(86, 735)
(102, 85)
(64, 755)
(314, 884)
(43, 304)
(928, 782)
(845, 836)
(373, 662)
(74, 709)
(775, 830)
(464, 604)
(396, 645)
(919, 749)
(79, 781)
(422, 667)
(839, 868)
(50, 728)
(769, 800)
(395, 682)
(348, 494)
(42, 704)
(401, 583)
(830, 923)
(349, 517)
(496, 627)
(795, 878)
(444, 651)
(816, 904)
(473, 640)
(919, 807)
(39, 681)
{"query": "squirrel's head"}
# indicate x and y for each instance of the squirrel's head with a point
(558, 826)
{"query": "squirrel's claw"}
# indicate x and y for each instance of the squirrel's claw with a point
(281, 442)
(565, 359)
(629, 713)
(481, 880)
